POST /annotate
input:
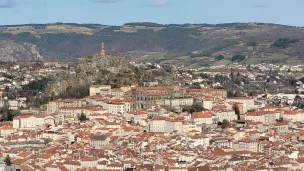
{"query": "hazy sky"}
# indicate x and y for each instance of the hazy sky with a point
(118, 12)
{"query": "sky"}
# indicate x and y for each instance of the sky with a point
(118, 12)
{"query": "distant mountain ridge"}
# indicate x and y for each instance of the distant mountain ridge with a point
(190, 44)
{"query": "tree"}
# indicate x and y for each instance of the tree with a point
(196, 107)
(203, 75)
(6, 89)
(252, 43)
(280, 120)
(39, 85)
(230, 94)
(77, 70)
(46, 141)
(220, 57)
(82, 117)
(6, 113)
(79, 91)
(251, 94)
(238, 58)
(218, 87)
(8, 161)
(236, 109)
(284, 42)
(237, 94)
(225, 124)
(221, 79)
(296, 91)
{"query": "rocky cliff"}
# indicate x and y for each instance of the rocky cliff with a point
(11, 51)
(112, 70)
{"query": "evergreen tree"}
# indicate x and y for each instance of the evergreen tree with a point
(296, 91)
(237, 111)
(230, 94)
(225, 124)
(82, 117)
(196, 107)
(6, 113)
(8, 161)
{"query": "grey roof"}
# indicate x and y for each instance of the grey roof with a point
(99, 137)
(13, 167)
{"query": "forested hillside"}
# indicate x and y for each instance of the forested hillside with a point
(199, 44)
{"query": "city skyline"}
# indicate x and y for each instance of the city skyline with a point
(118, 12)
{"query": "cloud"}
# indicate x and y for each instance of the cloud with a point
(158, 3)
(8, 3)
(260, 6)
(106, 1)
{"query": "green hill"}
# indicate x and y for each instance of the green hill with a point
(197, 44)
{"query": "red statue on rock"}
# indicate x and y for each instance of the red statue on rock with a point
(102, 52)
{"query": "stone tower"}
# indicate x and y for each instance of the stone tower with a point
(102, 52)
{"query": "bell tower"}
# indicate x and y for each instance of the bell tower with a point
(102, 52)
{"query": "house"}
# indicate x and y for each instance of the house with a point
(220, 142)
(239, 159)
(32, 121)
(247, 144)
(99, 89)
(6, 130)
(100, 141)
(13, 167)
(117, 167)
(208, 103)
(228, 115)
(117, 92)
(176, 103)
(205, 117)
(17, 104)
(199, 140)
(116, 107)
(200, 168)
(248, 102)
(88, 162)
(294, 116)
(164, 124)
(72, 164)
(266, 117)
(54, 106)
(45, 158)
(190, 127)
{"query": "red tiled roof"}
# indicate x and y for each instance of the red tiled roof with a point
(205, 114)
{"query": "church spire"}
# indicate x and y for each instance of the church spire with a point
(102, 52)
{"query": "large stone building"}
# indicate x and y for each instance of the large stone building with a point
(176, 103)
(32, 121)
(247, 103)
(100, 142)
(100, 89)
(163, 124)
(266, 117)
(54, 106)
(145, 97)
